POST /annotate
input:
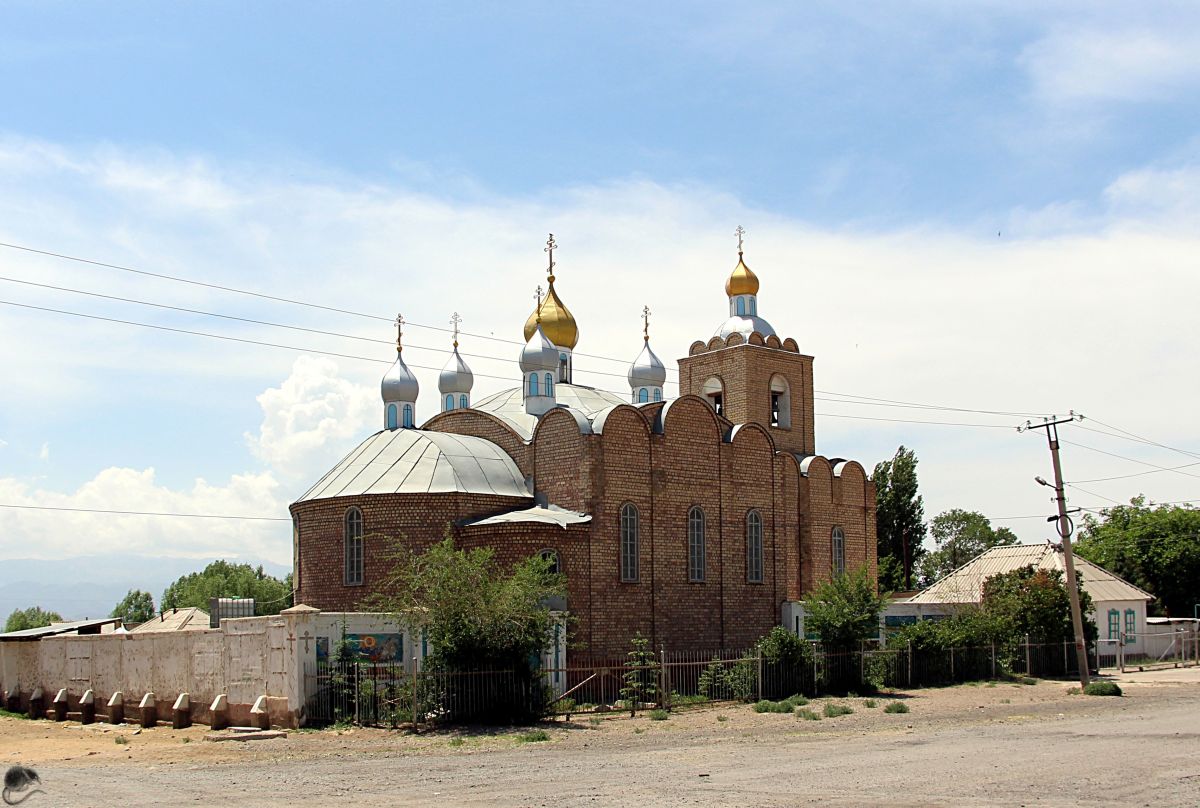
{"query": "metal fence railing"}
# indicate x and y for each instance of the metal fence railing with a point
(393, 694)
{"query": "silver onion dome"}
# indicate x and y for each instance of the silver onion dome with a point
(455, 377)
(647, 370)
(399, 383)
(539, 353)
(744, 325)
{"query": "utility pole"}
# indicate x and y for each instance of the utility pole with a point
(1065, 528)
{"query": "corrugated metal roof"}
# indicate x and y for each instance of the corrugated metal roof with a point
(189, 619)
(412, 461)
(965, 584)
(549, 515)
(509, 405)
(57, 628)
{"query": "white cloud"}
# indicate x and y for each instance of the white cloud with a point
(1084, 314)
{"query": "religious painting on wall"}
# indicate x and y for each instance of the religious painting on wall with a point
(367, 647)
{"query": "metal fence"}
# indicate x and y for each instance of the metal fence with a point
(388, 694)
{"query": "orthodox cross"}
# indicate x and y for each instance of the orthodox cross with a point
(539, 301)
(399, 331)
(550, 248)
(740, 232)
(454, 321)
(646, 323)
(307, 639)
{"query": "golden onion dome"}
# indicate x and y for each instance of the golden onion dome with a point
(742, 281)
(558, 324)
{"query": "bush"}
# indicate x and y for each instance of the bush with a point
(845, 610)
(834, 710)
(658, 715)
(533, 736)
(896, 707)
(807, 714)
(869, 703)
(1102, 689)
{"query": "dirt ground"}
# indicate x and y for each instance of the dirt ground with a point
(985, 744)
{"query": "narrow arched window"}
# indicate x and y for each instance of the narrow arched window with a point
(354, 547)
(741, 306)
(549, 384)
(463, 401)
(643, 395)
(658, 394)
(408, 416)
(393, 420)
(629, 542)
(753, 306)
(838, 551)
(696, 544)
(551, 557)
(754, 547)
(533, 384)
(449, 402)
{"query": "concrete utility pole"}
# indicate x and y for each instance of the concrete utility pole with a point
(1065, 528)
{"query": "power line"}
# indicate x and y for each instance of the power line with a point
(147, 513)
(1148, 440)
(908, 421)
(1130, 459)
(1139, 473)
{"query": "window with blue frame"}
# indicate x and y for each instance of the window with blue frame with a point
(753, 306)
(449, 402)
(392, 418)
(741, 306)
(549, 384)
(463, 402)
(408, 416)
(533, 384)
(1130, 626)
(658, 394)
(1114, 624)
(643, 395)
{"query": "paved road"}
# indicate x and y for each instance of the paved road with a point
(1146, 752)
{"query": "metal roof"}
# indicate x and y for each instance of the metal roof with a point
(189, 619)
(548, 515)
(509, 405)
(57, 628)
(965, 584)
(412, 461)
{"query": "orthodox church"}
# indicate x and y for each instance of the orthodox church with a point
(699, 521)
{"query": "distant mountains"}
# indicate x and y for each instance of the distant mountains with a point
(90, 586)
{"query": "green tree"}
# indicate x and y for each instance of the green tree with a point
(845, 610)
(135, 607)
(959, 536)
(1034, 602)
(475, 613)
(899, 520)
(33, 617)
(640, 681)
(221, 579)
(1154, 547)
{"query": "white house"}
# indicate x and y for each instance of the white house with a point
(1119, 607)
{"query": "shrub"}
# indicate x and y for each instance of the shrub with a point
(457, 741)
(120, 740)
(658, 715)
(722, 718)
(807, 714)
(712, 680)
(533, 736)
(896, 707)
(834, 710)
(1102, 689)
(845, 610)
(641, 675)
(869, 703)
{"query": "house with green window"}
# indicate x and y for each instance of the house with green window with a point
(1119, 606)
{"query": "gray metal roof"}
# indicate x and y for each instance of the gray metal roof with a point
(965, 584)
(57, 628)
(412, 461)
(509, 405)
(744, 324)
(548, 515)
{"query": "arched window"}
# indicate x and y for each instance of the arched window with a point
(754, 547)
(714, 394)
(696, 544)
(354, 547)
(629, 542)
(643, 395)
(781, 402)
(463, 401)
(449, 402)
(741, 306)
(393, 420)
(753, 306)
(533, 384)
(552, 557)
(1130, 626)
(564, 368)
(838, 551)
(549, 384)
(408, 416)
(658, 394)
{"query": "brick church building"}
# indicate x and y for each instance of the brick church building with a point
(699, 521)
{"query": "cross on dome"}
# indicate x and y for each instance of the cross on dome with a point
(740, 232)
(399, 332)
(454, 321)
(646, 323)
(551, 246)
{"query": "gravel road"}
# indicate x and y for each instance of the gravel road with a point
(1003, 745)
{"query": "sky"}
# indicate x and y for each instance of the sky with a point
(986, 207)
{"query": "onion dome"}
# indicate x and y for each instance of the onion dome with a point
(539, 353)
(558, 323)
(455, 377)
(742, 281)
(399, 384)
(647, 370)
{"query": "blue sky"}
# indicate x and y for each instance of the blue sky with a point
(382, 158)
